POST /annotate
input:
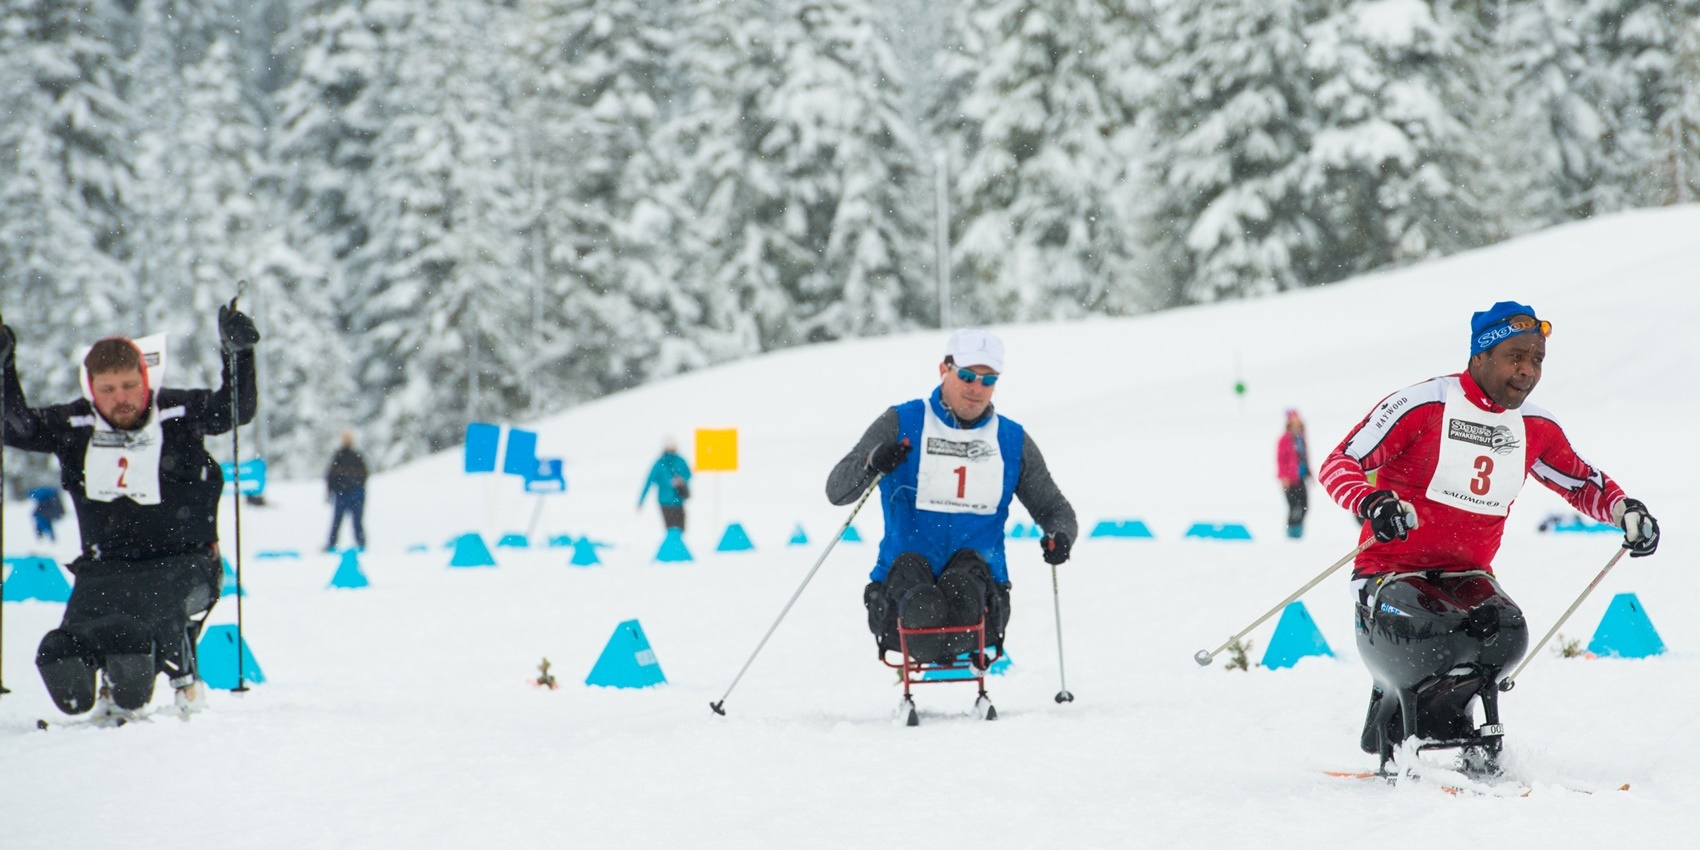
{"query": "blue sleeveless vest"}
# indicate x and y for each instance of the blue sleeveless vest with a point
(935, 535)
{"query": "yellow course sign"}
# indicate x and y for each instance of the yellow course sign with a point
(717, 450)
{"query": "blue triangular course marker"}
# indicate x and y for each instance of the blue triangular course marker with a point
(1226, 531)
(1121, 528)
(348, 572)
(274, 554)
(673, 549)
(36, 577)
(1626, 631)
(561, 541)
(216, 658)
(851, 535)
(627, 661)
(799, 537)
(513, 541)
(584, 553)
(735, 539)
(1296, 636)
(418, 547)
(998, 668)
(1022, 530)
(230, 588)
(470, 551)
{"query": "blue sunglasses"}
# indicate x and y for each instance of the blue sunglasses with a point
(968, 377)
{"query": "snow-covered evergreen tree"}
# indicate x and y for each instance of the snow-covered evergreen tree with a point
(1045, 205)
(197, 154)
(718, 171)
(65, 180)
(1395, 171)
(598, 89)
(1679, 125)
(1233, 120)
(849, 264)
(441, 303)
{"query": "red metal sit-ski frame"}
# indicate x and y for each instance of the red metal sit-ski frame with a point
(914, 671)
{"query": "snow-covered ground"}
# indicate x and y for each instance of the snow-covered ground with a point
(400, 715)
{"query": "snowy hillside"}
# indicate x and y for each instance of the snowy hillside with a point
(399, 715)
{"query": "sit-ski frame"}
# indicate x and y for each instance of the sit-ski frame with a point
(914, 672)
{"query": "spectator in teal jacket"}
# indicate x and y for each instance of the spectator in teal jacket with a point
(671, 479)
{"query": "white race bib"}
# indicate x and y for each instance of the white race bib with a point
(1482, 454)
(960, 471)
(124, 464)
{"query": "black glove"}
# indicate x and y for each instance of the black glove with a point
(8, 344)
(1056, 546)
(887, 458)
(1640, 530)
(236, 332)
(1389, 518)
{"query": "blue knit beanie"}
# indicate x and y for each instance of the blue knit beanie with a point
(1490, 327)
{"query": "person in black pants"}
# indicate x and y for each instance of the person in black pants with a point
(146, 494)
(346, 482)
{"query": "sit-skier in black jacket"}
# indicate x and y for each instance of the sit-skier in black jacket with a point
(146, 493)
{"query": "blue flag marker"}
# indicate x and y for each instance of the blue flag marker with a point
(521, 458)
(481, 441)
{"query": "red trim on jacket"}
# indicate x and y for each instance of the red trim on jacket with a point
(1400, 441)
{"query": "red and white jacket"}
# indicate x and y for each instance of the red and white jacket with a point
(1444, 446)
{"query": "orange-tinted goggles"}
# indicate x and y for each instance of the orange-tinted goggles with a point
(1523, 324)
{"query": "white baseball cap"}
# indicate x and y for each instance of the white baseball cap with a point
(975, 347)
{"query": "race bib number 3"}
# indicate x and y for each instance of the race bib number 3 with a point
(1482, 458)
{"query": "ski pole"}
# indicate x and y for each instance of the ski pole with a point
(1510, 681)
(236, 503)
(720, 707)
(1204, 657)
(1056, 608)
(3, 689)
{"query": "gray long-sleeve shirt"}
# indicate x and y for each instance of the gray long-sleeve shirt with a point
(1037, 492)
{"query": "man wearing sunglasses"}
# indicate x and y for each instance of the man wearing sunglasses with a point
(950, 465)
(1450, 455)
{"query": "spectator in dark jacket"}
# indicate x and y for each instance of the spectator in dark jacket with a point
(346, 481)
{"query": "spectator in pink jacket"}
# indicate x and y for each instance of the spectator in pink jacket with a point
(1292, 466)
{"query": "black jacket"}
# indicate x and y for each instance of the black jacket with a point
(186, 519)
(347, 472)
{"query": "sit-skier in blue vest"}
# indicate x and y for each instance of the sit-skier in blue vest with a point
(950, 464)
